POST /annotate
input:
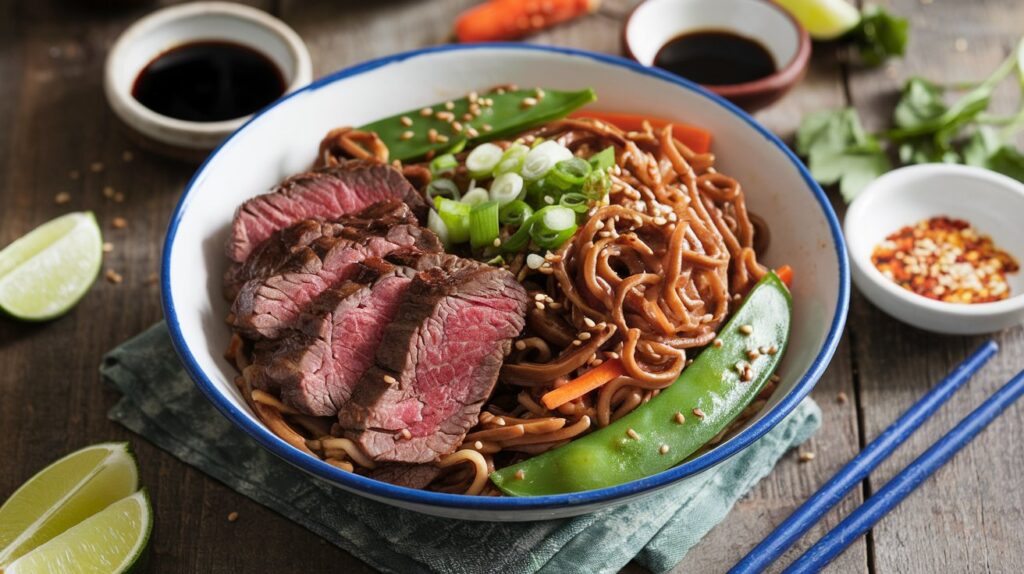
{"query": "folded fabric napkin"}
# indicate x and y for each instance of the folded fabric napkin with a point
(162, 404)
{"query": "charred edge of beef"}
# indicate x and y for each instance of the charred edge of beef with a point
(264, 307)
(270, 256)
(438, 362)
(326, 194)
(407, 475)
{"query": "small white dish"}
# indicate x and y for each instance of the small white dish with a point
(654, 23)
(990, 202)
(164, 29)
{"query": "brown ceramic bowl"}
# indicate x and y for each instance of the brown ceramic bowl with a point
(654, 23)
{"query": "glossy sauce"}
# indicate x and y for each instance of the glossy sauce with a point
(208, 82)
(716, 58)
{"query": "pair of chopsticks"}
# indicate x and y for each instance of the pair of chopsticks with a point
(868, 514)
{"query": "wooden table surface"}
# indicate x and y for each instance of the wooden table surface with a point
(58, 135)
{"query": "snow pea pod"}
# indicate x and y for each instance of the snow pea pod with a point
(407, 135)
(709, 394)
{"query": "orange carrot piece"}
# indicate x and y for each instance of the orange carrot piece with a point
(785, 273)
(693, 137)
(583, 384)
(510, 19)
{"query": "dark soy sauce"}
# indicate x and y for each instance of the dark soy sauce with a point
(208, 81)
(715, 58)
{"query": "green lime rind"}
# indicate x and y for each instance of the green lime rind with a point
(111, 541)
(46, 272)
(823, 19)
(64, 494)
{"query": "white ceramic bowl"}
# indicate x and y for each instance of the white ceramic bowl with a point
(653, 23)
(991, 202)
(164, 29)
(283, 139)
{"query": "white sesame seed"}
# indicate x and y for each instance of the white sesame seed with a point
(407, 135)
(528, 102)
(520, 345)
(449, 105)
(390, 380)
(406, 121)
(680, 419)
(533, 261)
(663, 449)
(426, 112)
(589, 322)
(746, 329)
(698, 413)
(632, 434)
(584, 336)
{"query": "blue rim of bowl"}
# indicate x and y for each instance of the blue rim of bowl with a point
(384, 490)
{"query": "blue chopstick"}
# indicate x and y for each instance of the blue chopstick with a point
(894, 491)
(776, 543)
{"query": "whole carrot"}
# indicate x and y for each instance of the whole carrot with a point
(498, 20)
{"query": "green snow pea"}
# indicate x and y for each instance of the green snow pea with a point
(660, 434)
(507, 115)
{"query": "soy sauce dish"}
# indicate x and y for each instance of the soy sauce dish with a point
(750, 52)
(189, 75)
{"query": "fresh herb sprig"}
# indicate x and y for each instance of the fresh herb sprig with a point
(926, 130)
(879, 35)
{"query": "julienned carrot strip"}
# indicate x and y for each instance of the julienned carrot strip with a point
(785, 274)
(697, 139)
(510, 19)
(583, 384)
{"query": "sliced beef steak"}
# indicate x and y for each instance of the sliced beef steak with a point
(324, 194)
(437, 363)
(316, 366)
(265, 308)
(270, 257)
(408, 475)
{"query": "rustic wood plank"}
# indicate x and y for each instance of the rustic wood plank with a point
(966, 519)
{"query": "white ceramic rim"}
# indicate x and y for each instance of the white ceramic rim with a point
(133, 113)
(861, 259)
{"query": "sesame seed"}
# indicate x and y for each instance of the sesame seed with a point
(528, 102)
(232, 516)
(108, 192)
(478, 445)
(663, 449)
(445, 116)
(534, 261)
(119, 223)
(841, 398)
(772, 350)
(753, 354)
(113, 276)
(539, 93)
(467, 117)
(390, 380)
(539, 305)
(441, 138)
(426, 112)
(457, 127)
(717, 343)
(748, 375)
(583, 336)
(520, 345)
(576, 342)
(486, 127)
(471, 132)
(589, 322)
(496, 242)
(960, 45)
(62, 198)
(520, 475)
(96, 167)
(806, 456)
(108, 247)
(406, 434)
(632, 434)
(698, 413)
(549, 200)
(118, 197)
(432, 135)
(449, 105)
(746, 329)
(406, 121)
(473, 97)
(680, 419)
(407, 135)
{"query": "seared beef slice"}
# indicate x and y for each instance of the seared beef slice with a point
(437, 363)
(323, 194)
(265, 308)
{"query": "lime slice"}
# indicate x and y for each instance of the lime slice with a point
(108, 542)
(46, 272)
(823, 19)
(63, 495)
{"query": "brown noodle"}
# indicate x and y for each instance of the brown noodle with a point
(651, 275)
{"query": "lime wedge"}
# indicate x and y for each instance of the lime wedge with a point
(108, 542)
(46, 272)
(823, 19)
(63, 495)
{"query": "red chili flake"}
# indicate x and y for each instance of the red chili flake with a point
(947, 260)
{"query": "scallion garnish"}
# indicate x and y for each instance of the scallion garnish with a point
(475, 196)
(443, 164)
(512, 159)
(436, 224)
(443, 188)
(515, 213)
(506, 188)
(569, 173)
(575, 201)
(455, 216)
(604, 159)
(483, 159)
(552, 226)
(483, 224)
(542, 159)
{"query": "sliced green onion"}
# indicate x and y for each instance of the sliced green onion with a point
(515, 213)
(575, 201)
(542, 159)
(597, 185)
(483, 159)
(455, 216)
(443, 188)
(443, 164)
(512, 160)
(603, 159)
(569, 173)
(436, 224)
(507, 187)
(553, 226)
(475, 196)
(496, 261)
(483, 224)
(457, 147)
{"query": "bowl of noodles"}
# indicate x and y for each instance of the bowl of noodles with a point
(616, 259)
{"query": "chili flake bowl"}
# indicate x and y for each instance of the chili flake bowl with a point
(990, 202)
(283, 139)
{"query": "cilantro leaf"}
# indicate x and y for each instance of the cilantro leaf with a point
(986, 149)
(838, 150)
(920, 102)
(879, 36)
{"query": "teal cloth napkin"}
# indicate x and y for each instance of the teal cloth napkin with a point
(162, 404)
